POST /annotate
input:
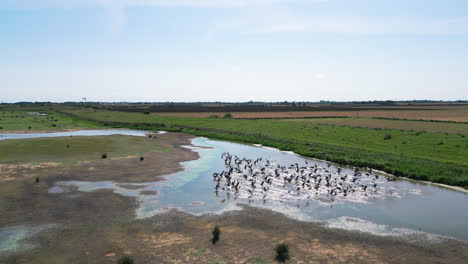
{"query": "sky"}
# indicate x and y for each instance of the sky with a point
(233, 50)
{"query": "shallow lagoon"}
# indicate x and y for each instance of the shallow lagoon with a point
(107, 132)
(418, 211)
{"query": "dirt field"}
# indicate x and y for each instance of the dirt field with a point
(99, 227)
(442, 113)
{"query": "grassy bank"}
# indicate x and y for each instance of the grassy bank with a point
(395, 124)
(437, 157)
(73, 149)
(32, 121)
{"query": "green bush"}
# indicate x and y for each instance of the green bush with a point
(227, 115)
(216, 232)
(104, 156)
(142, 158)
(387, 137)
(282, 252)
(125, 260)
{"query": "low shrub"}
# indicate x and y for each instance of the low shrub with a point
(104, 156)
(227, 115)
(282, 252)
(142, 158)
(216, 232)
(387, 137)
(125, 260)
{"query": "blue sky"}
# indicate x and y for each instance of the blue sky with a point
(233, 50)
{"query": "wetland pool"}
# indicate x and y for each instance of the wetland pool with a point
(414, 210)
(103, 132)
(406, 209)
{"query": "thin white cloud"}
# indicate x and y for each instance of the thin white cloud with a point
(267, 17)
(281, 23)
(320, 76)
(202, 3)
(116, 8)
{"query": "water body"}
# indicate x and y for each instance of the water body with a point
(108, 132)
(12, 238)
(416, 210)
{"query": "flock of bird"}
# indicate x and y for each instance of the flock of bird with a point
(262, 179)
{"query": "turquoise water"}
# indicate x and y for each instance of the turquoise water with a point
(414, 210)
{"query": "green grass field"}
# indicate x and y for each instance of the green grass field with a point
(29, 121)
(437, 127)
(438, 157)
(68, 150)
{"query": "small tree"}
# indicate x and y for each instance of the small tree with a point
(282, 252)
(125, 260)
(216, 232)
(227, 115)
(142, 158)
(104, 156)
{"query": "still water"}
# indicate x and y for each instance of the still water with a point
(415, 210)
(107, 132)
